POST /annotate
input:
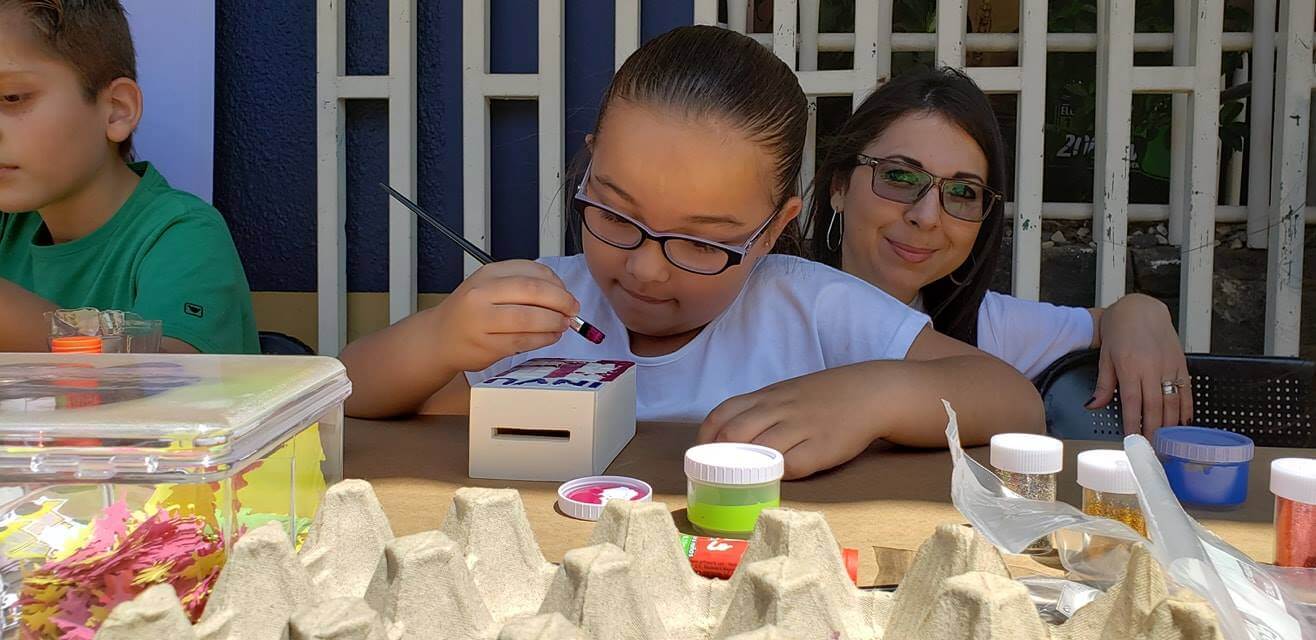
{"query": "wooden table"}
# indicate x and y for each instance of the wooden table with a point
(886, 499)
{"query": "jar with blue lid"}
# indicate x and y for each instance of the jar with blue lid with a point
(1207, 468)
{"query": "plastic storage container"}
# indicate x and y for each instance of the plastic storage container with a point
(122, 471)
(1207, 468)
(1027, 464)
(729, 484)
(1109, 489)
(1293, 481)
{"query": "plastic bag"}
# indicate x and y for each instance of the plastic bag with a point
(1252, 602)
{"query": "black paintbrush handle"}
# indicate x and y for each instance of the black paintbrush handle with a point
(465, 244)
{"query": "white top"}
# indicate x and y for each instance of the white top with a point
(1294, 479)
(1107, 471)
(1026, 334)
(793, 317)
(734, 463)
(1027, 453)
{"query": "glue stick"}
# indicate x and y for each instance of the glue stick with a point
(719, 557)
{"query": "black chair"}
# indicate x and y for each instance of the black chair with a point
(1268, 399)
(273, 343)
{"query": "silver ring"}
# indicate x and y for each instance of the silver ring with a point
(1171, 387)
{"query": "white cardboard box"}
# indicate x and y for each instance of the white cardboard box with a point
(551, 419)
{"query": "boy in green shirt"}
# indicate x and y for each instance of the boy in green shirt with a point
(84, 227)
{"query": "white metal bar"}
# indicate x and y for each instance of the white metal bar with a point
(552, 125)
(950, 33)
(1292, 110)
(1197, 255)
(363, 87)
(331, 181)
(1224, 214)
(401, 158)
(507, 86)
(1260, 104)
(783, 30)
(1029, 150)
(867, 14)
(1260, 112)
(705, 12)
(996, 79)
(1115, 102)
(738, 16)
(627, 30)
(885, 13)
(827, 83)
(1162, 79)
(475, 128)
(1178, 125)
(1006, 42)
(1233, 183)
(808, 55)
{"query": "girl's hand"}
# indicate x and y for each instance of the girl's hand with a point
(504, 308)
(817, 421)
(1139, 352)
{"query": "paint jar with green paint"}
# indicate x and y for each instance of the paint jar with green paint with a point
(729, 484)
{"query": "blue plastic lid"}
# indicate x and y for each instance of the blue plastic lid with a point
(1200, 444)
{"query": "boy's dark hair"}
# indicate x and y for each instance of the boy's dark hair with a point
(92, 36)
(706, 71)
(953, 96)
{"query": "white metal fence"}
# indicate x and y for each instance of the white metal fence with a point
(1275, 212)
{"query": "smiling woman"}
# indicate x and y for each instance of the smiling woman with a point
(911, 201)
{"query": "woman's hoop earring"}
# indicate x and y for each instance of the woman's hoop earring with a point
(840, 230)
(966, 280)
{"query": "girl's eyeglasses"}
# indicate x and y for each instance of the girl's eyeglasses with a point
(696, 255)
(904, 183)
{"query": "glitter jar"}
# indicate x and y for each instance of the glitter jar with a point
(729, 484)
(1293, 481)
(1027, 464)
(1207, 468)
(1109, 490)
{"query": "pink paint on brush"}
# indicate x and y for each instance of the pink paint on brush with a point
(587, 330)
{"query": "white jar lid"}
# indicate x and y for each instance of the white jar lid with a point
(584, 498)
(734, 463)
(1027, 453)
(1294, 479)
(1107, 471)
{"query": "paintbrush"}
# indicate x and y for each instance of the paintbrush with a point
(585, 329)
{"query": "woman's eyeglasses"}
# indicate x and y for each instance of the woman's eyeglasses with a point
(696, 255)
(905, 183)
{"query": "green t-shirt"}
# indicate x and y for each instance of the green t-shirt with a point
(165, 255)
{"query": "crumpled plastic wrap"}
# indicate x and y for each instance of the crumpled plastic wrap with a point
(120, 331)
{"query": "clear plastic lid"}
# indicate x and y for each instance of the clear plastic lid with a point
(154, 417)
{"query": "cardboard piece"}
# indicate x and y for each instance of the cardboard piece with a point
(154, 613)
(551, 419)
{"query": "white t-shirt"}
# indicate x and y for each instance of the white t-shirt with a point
(793, 317)
(1031, 335)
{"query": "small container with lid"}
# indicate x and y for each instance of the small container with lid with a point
(1207, 468)
(729, 484)
(76, 344)
(1293, 481)
(1027, 464)
(1109, 489)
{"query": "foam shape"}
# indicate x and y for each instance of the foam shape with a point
(338, 619)
(154, 613)
(344, 548)
(216, 627)
(430, 588)
(1122, 611)
(491, 529)
(262, 584)
(952, 550)
(545, 626)
(768, 632)
(794, 595)
(981, 606)
(1183, 619)
(596, 590)
(688, 603)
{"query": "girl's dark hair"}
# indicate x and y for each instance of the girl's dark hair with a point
(952, 95)
(709, 72)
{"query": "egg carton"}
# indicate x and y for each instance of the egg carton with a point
(482, 577)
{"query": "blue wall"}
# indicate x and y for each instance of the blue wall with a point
(265, 130)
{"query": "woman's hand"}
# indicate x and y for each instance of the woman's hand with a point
(504, 308)
(817, 421)
(1140, 352)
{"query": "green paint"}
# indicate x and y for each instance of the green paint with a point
(730, 511)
